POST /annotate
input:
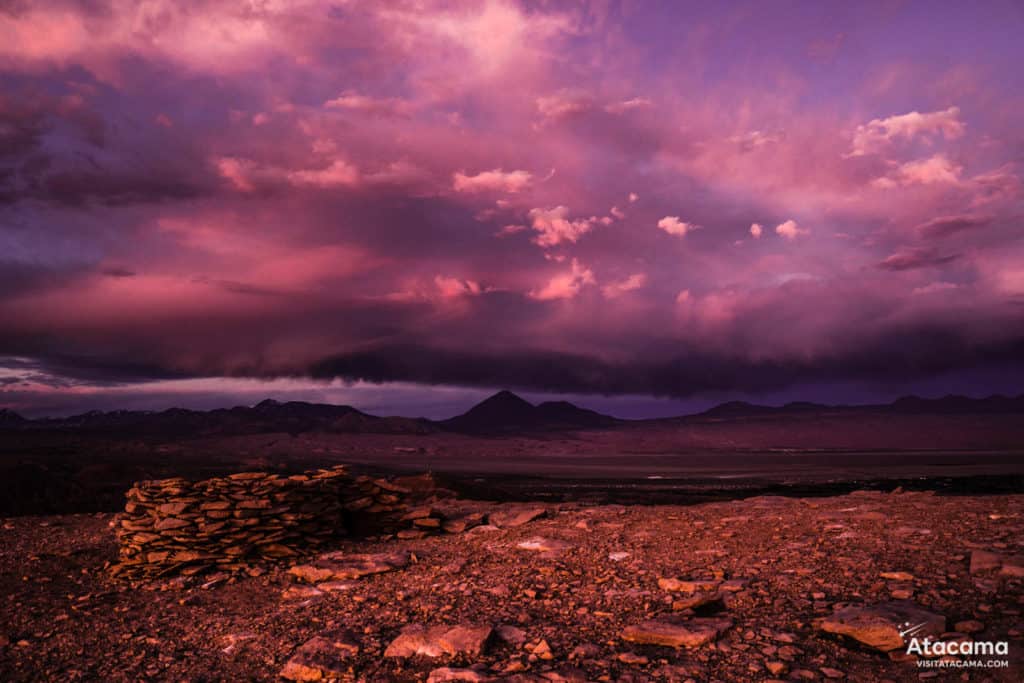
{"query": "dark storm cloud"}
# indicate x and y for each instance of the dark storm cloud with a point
(948, 225)
(905, 355)
(914, 258)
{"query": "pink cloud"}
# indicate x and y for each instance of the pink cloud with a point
(555, 227)
(351, 100)
(565, 285)
(336, 174)
(246, 175)
(613, 290)
(628, 105)
(934, 170)
(454, 287)
(510, 229)
(756, 230)
(563, 105)
(934, 288)
(217, 37)
(877, 133)
(789, 229)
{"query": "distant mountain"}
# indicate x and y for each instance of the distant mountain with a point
(506, 412)
(502, 413)
(9, 418)
(293, 417)
(954, 405)
(908, 405)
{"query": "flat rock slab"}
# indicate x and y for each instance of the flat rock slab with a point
(691, 633)
(340, 566)
(327, 656)
(439, 641)
(504, 519)
(886, 626)
(301, 592)
(688, 586)
(456, 525)
(445, 674)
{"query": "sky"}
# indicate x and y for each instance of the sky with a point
(648, 207)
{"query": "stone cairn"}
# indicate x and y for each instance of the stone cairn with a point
(226, 523)
(174, 526)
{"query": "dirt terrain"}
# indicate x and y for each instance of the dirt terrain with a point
(568, 595)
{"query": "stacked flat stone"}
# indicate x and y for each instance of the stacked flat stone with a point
(393, 508)
(228, 523)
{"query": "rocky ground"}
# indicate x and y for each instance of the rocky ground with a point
(758, 589)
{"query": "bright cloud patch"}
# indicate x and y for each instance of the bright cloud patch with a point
(790, 230)
(673, 226)
(338, 173)
(566, 285)
(563, 105)
(380, 106)
(874, 135)
(628, 105)
(555, 227)
(496, 180)
(756, 230)
(450, 287)
(246, 175)
(931, 171)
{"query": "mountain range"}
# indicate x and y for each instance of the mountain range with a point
(502, 413)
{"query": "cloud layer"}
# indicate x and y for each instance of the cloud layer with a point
(507, 194)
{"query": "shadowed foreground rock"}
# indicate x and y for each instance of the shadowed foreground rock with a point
(328, 656)
(886, 626)
(983, 561)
